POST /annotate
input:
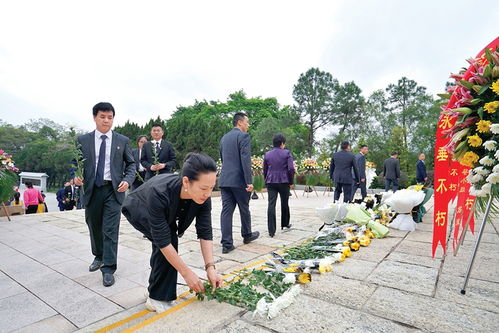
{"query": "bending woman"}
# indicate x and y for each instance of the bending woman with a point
(162, 209)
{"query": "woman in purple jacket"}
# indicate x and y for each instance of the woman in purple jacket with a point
(279, 171)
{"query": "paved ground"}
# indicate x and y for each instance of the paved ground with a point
(392, 286)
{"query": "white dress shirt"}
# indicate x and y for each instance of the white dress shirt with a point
(107, 164)
(154, 143)
(141, 168)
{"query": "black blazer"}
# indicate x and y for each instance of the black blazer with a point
(235, 153)
(420, 171)
(152, 209)
(391, 168)
(68, 192)
(360, 161)
(166, 155)
(342, 167)
(122, 164)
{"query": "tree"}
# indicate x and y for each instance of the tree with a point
(409, 102)
(314, 94)
(348, 111)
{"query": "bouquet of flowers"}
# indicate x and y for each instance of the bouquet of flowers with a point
(257, 164)
(474, 138)
(325, 164)
(309, 164)
(370, 173)
(8, 176)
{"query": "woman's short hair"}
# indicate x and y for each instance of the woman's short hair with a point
(196, 164)
(278, 139)
(140, 137)
(29, 184)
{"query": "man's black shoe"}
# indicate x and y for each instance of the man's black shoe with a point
(107, 279)
(228, 249)
(95, 265)
(254, 235)
(287, 226)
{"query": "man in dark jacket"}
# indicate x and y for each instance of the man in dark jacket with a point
(391, 172)
(70, 195)
(158, 155)
(61, 198)
(340, 171)
(236, 181)
(108, 171)
(421, 176)
(360, 161)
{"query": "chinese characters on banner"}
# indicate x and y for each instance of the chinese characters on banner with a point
(450, 178)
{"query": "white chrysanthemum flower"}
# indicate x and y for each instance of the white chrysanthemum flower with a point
(496, 168)
(494, 128)
(487, 161)
(476, 178)
(289, 278)
(472, 191)
(490, 145)
(493, 178)
(496, 155)
(470, 176)
(481, 171)
(487, 188)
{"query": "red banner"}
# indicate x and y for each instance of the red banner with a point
(447, 183)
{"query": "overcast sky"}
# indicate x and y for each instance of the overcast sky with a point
(59, 58)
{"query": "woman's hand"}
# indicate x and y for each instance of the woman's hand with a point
(193, 281)
(214, 278)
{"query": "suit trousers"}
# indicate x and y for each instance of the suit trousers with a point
(363, 189)
(230, 197)
(389, 183)
(283, 190)
(346, 189)
(163, 277)
(102, 215)
(31, 209)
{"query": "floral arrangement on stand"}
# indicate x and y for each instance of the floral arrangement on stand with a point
(309, 168)
(324, 175)
(8, 176)
(474, 138)
(257, 169)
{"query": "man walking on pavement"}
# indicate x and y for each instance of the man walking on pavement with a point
(108, 171)
(341, 169)
(360, 161)
(391, 172)
(236, 181)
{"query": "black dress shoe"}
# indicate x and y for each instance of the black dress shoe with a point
(95, 265)
(107, 279)
(254, 235)
(271, 235)
(228, 249)
(287, 226)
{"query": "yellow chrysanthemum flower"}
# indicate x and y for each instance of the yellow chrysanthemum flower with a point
(483, 126)
(469, 159)
(323, 268)
(491, 107)
(304, 278)
(474, 141)
(495, 87)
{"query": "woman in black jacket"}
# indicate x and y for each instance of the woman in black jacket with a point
(162, 209)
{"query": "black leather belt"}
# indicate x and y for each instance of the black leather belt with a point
(106, 183)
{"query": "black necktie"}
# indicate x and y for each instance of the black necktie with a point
(99, 175)
(157, 148)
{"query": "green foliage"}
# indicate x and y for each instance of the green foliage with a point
(258, 182)
(8, 180)
(247, 288)
(313, 94)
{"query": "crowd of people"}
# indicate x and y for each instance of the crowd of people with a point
(162, 204)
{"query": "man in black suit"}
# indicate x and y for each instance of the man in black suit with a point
(70, 195)
(108, 171)
(157, 156)
(421, 176)
(140, 171)
(340, 171)
(360, 161)
(391, 172)
(236, 181)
